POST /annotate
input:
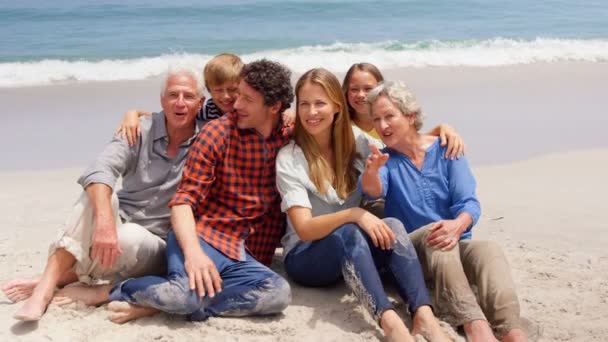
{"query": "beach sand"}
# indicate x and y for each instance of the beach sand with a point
(538, 158)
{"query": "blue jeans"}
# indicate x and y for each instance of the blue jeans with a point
(248, 287)
(349, 253)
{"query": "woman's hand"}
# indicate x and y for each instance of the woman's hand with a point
(445, 234)
(381, 235)
(375, 160)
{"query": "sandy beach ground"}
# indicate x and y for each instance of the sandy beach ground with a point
(536, 138)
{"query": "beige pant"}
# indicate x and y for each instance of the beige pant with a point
(453, 275)
(143, 253)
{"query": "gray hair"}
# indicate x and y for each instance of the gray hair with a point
(401, 96)
(188, 70)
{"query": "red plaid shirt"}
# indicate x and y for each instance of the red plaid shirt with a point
(229, 180)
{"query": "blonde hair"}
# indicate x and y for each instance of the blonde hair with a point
(402, 97)
(344, 176)
(222, 68)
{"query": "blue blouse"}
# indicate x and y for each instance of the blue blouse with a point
(442, 190)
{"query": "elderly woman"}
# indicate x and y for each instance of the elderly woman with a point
(435, 199)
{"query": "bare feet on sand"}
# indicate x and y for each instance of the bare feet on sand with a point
(426, 325)
(122, 312)
(89, 295)
(34, 307)
(479, 331)
(20, 289)
(515, 335)
(394, 328)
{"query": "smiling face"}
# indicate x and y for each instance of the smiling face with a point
(224, 95)
(316, 111)
(251, 110)
(180, 102)
(361, 83)
(390, 123)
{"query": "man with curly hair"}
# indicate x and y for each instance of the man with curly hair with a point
(225, 215)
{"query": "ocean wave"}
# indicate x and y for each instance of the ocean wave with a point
(336, 57)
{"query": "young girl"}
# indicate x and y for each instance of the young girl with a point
(359, 80)
(328, 235)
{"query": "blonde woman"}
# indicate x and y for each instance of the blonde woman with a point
(328, 235)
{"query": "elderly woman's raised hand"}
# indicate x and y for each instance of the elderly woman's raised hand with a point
(375, 160)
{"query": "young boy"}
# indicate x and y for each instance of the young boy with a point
(221, 80)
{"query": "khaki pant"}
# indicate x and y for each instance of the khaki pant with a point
(143, 253)
(453, 275)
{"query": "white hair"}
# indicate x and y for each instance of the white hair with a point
(188, 70)
(400, 95)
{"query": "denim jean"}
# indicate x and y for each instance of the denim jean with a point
(349, 253)
(248, 287)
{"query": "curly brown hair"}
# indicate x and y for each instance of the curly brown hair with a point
(272, 80)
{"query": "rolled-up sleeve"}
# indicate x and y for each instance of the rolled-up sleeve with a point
(113, 162)
(462, 189)
(199, 170)
(289, 180)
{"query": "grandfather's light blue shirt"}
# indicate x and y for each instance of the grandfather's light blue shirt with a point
(441, 190)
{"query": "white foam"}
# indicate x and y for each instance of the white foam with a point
(336, 57)
(48, 72)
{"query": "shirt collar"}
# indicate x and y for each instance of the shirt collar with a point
(160, 127)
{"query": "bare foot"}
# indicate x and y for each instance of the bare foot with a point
(20, 289)
(426, 325)
(394, 328)
(479, 331)
(33, 308)
(515, 335)
(123, 312)
(89, 295)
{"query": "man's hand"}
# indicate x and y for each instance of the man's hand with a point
(202, 273)
(449, 136)
(445, 234)
(104, 245)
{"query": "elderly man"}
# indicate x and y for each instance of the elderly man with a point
(225, 215)
(114, 235)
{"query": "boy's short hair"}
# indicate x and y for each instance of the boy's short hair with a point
(222, 68)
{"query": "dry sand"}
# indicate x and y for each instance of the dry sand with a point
(547, 213)
(545, 210)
